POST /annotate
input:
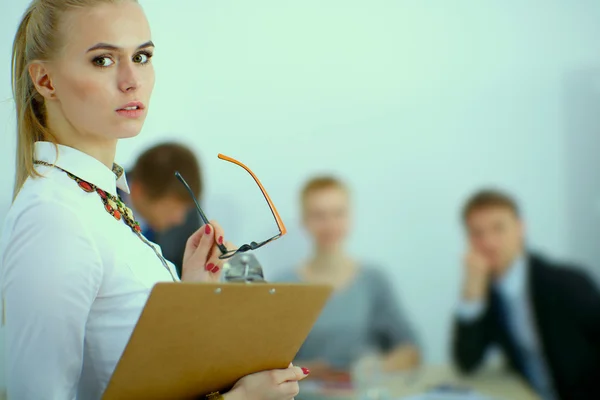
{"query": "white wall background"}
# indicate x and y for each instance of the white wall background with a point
(414, 103)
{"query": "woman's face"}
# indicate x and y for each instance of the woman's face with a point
(327, 217)
(103, 77)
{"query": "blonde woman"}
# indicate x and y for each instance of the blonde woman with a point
(75, 270)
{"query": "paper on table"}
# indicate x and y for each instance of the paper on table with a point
(448, 396)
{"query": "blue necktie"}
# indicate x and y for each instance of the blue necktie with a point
(528, 363)
(503, 319)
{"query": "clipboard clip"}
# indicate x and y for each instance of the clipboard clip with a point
(243, 268)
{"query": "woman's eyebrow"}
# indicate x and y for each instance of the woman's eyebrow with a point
(112, 47)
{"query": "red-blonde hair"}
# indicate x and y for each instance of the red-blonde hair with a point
(319, 183)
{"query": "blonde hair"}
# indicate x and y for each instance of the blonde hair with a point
(37, 39)
(320, 183)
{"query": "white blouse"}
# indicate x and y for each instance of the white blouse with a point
(74, 280)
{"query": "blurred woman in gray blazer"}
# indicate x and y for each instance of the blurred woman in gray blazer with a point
(364, 314)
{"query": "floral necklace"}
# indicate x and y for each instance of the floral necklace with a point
(115, 207)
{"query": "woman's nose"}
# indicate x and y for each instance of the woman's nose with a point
(128, 78)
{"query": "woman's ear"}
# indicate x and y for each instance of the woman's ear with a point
(40, 76)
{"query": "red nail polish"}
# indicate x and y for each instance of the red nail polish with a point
(215, 270)
(207, 229)
(306, 371)
(209, 266)
(220, 241)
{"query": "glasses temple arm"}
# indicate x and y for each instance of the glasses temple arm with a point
(274, 211)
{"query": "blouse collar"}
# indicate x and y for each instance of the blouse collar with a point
(83, 166)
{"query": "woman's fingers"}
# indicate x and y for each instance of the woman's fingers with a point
(214, 264)
(192, 244)
(204, 246)
(292, 374)
(290, 389)
(201, 260)
(275, 384)
(194, 240)
(219, 233)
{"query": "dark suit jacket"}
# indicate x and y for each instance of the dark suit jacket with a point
(566, 308)
(172, 242)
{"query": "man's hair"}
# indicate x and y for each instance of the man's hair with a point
(489, 198)
(155, 171)
(319, 183)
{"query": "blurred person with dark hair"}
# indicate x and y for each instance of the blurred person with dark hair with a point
(545, 317)
(363, 315)
(166, 210)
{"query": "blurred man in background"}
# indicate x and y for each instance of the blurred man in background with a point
(544, 317)
(162, 205)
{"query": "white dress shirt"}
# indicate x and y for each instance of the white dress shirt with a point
(513, 290)
(73, 279)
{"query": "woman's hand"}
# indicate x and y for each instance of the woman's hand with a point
(201, 261)
(402, 358)
(323, 371)
(279, 384)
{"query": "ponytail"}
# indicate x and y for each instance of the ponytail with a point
(29, 105)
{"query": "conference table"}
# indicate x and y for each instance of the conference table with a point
(494, 383)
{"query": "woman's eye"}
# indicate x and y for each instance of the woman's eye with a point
(141, 58)
(103, 62)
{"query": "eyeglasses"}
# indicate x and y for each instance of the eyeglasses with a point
(225, 253)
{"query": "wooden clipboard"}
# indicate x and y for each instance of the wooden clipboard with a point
(196, 338)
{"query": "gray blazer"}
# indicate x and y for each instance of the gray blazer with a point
(365, 316)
